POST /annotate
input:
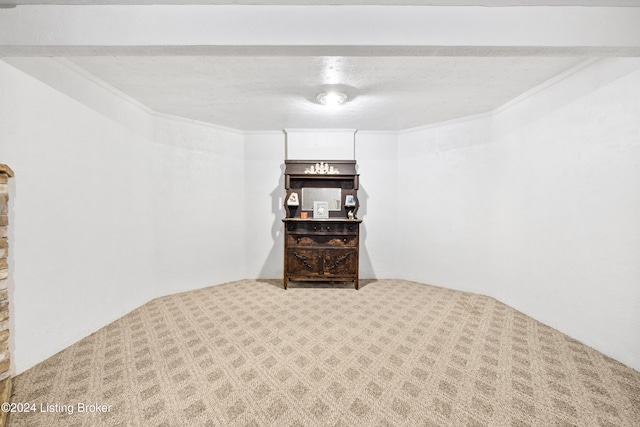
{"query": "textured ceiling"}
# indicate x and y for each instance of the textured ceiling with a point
(260, 68)
(268, 93)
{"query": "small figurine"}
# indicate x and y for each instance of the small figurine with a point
(350, 215)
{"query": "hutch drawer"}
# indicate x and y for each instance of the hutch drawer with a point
(322, 240)
(323, 227)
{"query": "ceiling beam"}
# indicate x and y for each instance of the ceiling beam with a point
(325, 30)
(486, 3)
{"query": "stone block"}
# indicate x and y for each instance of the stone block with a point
(3, 264)
(3, 230)
(3, 289)
(6, 170)
(5, 396)
(4, 243)
(4, 335)
(4, 220)
(4, 364)
(5, 390)
(3, 178)
(4, 274)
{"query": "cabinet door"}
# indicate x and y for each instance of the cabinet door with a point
(304, 262)
(340, 262)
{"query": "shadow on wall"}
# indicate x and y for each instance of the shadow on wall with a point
(274, 263)
(365, 268)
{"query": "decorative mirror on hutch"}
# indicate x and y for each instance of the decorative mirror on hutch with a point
(322, 232)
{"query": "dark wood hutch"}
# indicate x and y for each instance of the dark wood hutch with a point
(322, 232)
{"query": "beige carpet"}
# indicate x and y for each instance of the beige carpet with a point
(394, 353)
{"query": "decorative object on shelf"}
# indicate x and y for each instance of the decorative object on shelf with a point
(350, 215)
(321, 210)
(321, 169)
(349, 201)
(293, 200)
(304, 215)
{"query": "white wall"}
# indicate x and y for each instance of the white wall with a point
(80, 231)
(321, 144)
(376, 153)
(198, 215)
(105, 214)
(568, 197)
(263, 204)
(445, 189)
(541, 214)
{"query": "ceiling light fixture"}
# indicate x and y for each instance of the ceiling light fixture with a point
(332, 99)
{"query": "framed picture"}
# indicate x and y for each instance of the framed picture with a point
(349, 200)
(321, 209)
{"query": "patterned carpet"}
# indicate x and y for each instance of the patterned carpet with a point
(394, 353)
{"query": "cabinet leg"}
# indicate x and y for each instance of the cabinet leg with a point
(356, 281)
(284, 281)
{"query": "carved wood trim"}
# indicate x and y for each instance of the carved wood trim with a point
(303, 259)
(339, 260)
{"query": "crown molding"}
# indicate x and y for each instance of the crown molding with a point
(547, 84)
(134, 102)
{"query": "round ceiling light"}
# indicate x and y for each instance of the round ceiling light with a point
(332, 99)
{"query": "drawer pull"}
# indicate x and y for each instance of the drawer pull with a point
(344, 240)
(298, 240)
(328, 228)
